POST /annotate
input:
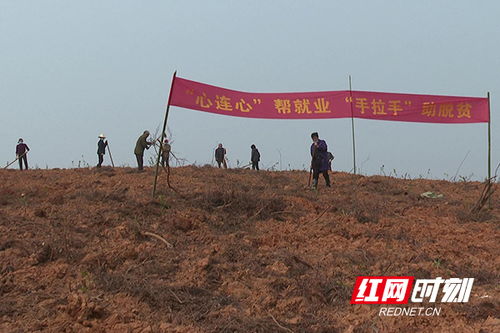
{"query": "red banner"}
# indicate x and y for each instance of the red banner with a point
(329, 104)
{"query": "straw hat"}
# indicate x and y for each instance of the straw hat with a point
(101, 136)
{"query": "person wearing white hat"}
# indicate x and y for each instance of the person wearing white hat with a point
(101, 149)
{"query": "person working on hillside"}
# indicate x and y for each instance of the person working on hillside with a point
(101, 149)
(319, 161)
(255, 157)
(142, 143)
(220, 156)
(21, 153)
(165, 152)
(330, 160)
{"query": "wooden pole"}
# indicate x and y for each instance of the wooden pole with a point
(352, 126)
(489, 138)
(310, 175)
(163, 133)
(110, 156)
(311, 166)
(18, 157)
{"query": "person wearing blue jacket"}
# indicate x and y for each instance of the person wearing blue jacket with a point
(319, 161)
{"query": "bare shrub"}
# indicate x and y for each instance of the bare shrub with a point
(465, 215)
(237, 207)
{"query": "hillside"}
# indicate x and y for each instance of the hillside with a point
(251, 251)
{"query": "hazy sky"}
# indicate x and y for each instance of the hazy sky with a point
(70, 70)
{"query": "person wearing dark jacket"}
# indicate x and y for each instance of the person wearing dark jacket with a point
(330, 160)
(319, 162)
(101, 149)
(255, 157)
(21, 153)
(142, 143)
(220, 156)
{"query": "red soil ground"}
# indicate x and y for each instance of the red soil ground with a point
(252, 251)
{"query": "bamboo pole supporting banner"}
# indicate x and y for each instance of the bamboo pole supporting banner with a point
(163, 133)
(352, 127)
(489, 137)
